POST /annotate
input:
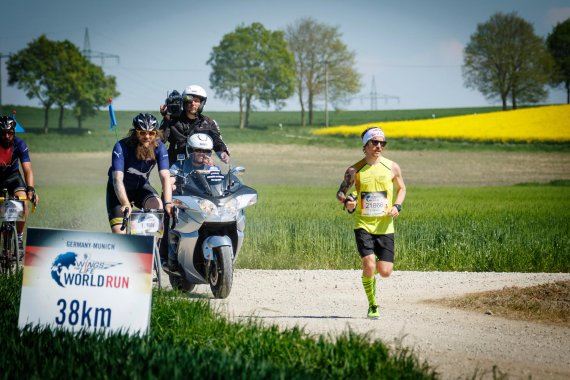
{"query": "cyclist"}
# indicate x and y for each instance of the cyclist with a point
(190, 121)
(12, 151)
(133, 159)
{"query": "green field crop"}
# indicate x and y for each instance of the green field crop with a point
(513, 229)
(503, 229)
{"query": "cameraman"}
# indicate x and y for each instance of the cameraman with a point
(182, 117)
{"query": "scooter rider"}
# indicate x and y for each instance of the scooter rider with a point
(200, 146)
(177, 129)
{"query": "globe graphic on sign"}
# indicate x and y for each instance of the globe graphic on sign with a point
(63, 260)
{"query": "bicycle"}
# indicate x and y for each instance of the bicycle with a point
(11, 211)
(147, 222)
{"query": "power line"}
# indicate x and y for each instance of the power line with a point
(91, 54)
(374, 96)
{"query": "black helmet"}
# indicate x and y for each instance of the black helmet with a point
(145, 122)
(7, 123)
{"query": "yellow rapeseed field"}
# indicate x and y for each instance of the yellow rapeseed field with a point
(547, 124)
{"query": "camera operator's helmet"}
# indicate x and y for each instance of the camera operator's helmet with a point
(200, 141)
(195, 91)
(7, 123)
(145, 122)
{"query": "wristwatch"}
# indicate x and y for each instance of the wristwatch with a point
(398, 206)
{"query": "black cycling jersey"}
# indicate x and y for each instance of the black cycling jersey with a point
(176, 132)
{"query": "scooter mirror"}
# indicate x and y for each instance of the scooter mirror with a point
(238, 170)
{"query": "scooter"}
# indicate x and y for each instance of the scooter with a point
(208, 225)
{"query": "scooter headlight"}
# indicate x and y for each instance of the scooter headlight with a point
(230, 209)
(207, 207)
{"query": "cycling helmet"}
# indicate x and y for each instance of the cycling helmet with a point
(195, 91)
(145, 122)
(200, 141)
(7, 123)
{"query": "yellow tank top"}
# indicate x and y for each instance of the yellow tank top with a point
(375, 188)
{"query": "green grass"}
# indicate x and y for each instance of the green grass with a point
(511, 229)
(189, 340)
(266, 127)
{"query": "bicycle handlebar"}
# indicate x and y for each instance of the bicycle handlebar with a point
(15, 198)
(125, 219)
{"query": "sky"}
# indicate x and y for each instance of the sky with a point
(409, 52)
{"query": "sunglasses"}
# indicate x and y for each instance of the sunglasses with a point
(7, 132)
(147, 133)
(376, 142)
(201, 151)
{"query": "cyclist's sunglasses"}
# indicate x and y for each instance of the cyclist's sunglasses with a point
(202, 151)
(7, 132)
(146, 133)
(376, 142)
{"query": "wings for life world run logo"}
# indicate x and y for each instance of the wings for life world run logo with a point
(70, 269)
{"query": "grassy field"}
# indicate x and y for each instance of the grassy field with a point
(190, 340)
(266, 127)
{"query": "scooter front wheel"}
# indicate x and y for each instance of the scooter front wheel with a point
(221, 272)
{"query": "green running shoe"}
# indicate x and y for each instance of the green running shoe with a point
(373, 312)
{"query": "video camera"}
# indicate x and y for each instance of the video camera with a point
(174, 103)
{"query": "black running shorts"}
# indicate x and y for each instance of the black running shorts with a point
(380, 245)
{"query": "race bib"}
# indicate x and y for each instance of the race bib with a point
(374, 203)
(147, 224)
(12, 211)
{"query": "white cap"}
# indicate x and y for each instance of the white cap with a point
(372, 132)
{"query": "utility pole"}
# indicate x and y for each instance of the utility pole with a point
(1, 57)
(91, 54)
(326, 94)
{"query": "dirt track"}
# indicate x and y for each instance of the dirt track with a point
(455, 342)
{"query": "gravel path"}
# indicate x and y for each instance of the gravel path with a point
(456, 342)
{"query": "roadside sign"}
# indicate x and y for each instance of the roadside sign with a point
(80, 280)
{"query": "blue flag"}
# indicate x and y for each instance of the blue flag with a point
(113, 125)
(18, 126)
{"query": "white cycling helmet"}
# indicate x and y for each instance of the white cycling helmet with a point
(200, 141)
(195, 91)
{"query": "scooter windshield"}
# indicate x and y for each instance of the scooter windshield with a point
(203, 173)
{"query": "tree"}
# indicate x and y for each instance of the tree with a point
(56, 73)
(252, 63)
(558, 43)
(94, 92)
(31, 69)
(505, 58)
(322, 62)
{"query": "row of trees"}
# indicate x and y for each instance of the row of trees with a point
(309, 59)
(504, 59)
(57, 74)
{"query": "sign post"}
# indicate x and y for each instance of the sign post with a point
(80, 280)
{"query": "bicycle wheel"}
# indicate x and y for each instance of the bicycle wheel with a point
(156, 262)
(4, 258)
(10, 260)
